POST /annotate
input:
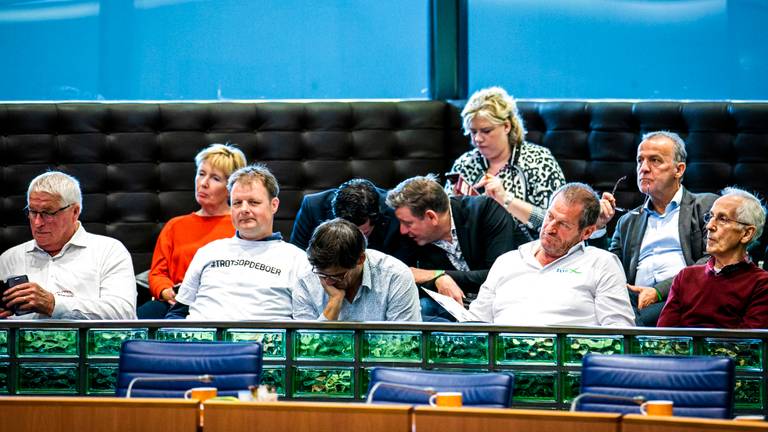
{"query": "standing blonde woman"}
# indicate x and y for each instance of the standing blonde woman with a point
(517, 174)
(183, 235)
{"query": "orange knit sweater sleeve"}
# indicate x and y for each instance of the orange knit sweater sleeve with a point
(177, 243)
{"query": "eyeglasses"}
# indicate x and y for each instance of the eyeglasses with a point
(46, 215)
(721, 220)
(613, 192)
(331, 278)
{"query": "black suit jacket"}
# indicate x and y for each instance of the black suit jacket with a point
(316, 208)
(484, 229)
(630, 230)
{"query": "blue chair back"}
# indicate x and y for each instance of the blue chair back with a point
(478, 389)
(234, 366)
(699, 386)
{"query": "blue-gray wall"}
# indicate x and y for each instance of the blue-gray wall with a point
(253, 49)
(667, 49)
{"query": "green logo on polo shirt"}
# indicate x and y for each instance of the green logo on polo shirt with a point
(568, 270)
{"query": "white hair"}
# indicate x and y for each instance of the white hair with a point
(66, 187)
(750, 211)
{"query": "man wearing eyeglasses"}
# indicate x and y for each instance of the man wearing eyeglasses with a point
(666, 233)
(729, 291)
(70, 273)
(351, 283)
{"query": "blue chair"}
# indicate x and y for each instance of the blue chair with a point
(698, 386)
(233, 366)
(415, 386)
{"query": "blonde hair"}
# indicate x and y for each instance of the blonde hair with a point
(497, 106)
(224, 157)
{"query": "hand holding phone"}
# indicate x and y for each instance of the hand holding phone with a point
(460, 185)
(10, 283)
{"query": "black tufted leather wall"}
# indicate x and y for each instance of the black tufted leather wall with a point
(134, 160)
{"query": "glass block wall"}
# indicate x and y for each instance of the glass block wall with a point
(314, 361)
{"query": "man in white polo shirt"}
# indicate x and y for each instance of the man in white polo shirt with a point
(251, 275)
(558, 280)
(70, 273)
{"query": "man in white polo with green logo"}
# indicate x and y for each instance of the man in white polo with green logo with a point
(558, 280)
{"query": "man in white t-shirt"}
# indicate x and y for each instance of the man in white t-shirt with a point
(249, 276)
(558, 280)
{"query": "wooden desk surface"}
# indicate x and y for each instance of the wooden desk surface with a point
(432, 419)
(288, 416)
(640, 423)
(95, 414)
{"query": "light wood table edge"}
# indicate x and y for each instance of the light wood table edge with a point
(345, 407)
(521, 413)
(700, 423)
(90, 400)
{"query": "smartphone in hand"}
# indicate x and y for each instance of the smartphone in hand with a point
(10, 283)
(460, 185)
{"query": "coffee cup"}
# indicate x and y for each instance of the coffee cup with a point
(202, 394)
(446, 399)
(657, 408)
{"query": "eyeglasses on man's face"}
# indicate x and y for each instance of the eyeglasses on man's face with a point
(332, 278)
(46, 215)
(722, 220)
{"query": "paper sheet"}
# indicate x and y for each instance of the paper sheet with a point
(455, 309)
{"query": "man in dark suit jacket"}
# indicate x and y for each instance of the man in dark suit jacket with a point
(458, 238)
(360, 202)
(646, 239)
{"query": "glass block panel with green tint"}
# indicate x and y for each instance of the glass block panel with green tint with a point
(102, 378)
(535, 386)
(324, 345)
(272, 341)
(323, 381)
(186, 334)
(525, 348)
(47, 378)
(274, 376)
(748, 392)
(48, 342)
(466, 348)
(571, 385)
(577, 346)
(3, 343)
(107, 342)
(746, 353)
(663, 345)
(4, 369)
(392, 346)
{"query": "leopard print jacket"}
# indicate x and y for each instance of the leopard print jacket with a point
(542, 176)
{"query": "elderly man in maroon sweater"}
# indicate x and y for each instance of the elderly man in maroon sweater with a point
(729, 291)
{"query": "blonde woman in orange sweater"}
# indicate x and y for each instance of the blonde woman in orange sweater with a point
(183, 235)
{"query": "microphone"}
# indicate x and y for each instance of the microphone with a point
(428, 391)
(167, 378)
(634, 399)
